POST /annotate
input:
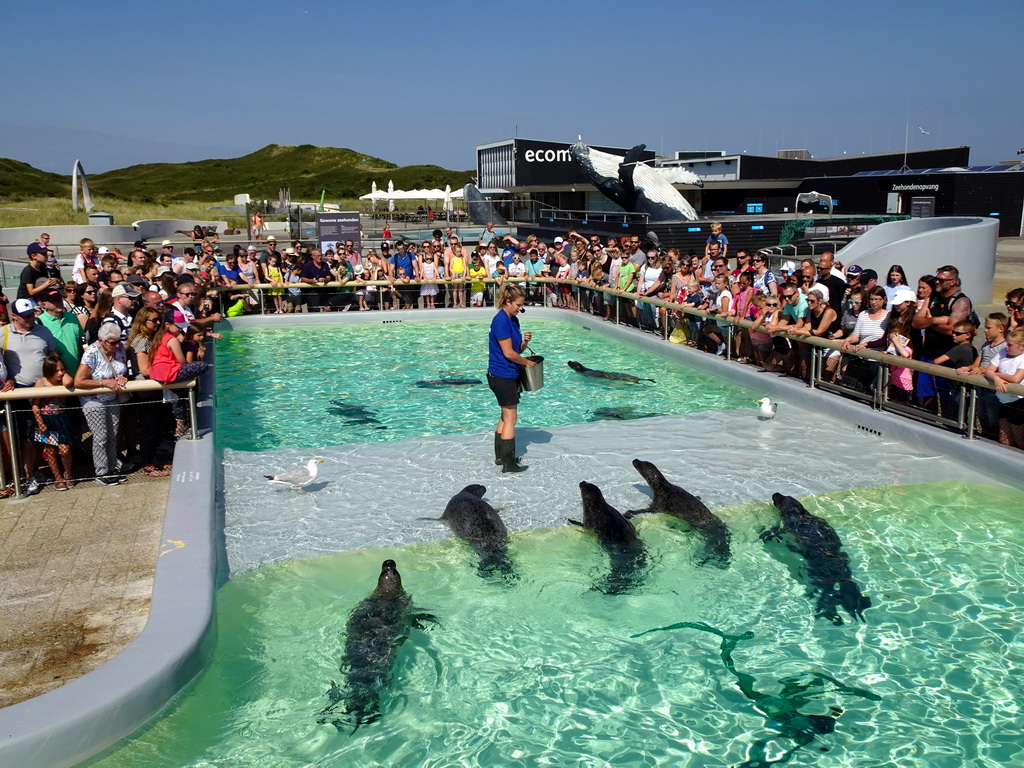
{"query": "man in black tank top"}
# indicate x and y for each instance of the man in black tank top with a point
(948, 307)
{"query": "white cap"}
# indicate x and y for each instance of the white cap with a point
(165, 243)
(104, 250)
(788, 266)
(903, 295)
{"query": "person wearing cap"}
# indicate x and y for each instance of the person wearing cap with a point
(34, 280)
(167, 249)
(26, 345)
(124, 295)
(64, 326)
(104, 364)
(42, 245)
(271, 249)
(868, 280)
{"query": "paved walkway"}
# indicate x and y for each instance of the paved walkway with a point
(76, 573)
(76, 568)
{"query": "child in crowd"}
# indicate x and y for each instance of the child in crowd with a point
(430, 272)
(194, 345)
(275, 277)
(964, 353)
(402, 277)
(995, 342)
(1007, 367)
(477, 288)
(760, 339)
(53, 427)
(901, 380)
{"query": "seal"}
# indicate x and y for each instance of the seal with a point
(375, 630)
(827, 566)
(442, 383)
(617, 537)
(624, 413)
(680, 503)
(781, 709)
(595, 374)
(475, 521)
(355, 414)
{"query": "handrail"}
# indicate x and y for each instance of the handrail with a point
(868, 354)
(31, 393)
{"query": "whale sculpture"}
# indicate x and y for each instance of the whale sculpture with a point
(633, 186)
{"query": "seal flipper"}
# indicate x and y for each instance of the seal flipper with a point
(634, 512)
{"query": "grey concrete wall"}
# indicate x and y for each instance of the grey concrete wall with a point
(71, 723)
(921, 246)
(63, 239)
(150, 228)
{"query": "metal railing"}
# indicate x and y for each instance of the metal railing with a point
(20, 395)
(964, 388)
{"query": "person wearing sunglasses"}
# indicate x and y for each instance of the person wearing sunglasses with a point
(182, 308)
(1015, 308)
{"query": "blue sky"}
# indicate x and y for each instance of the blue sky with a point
(119, 83)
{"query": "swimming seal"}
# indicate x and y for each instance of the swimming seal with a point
(375, 630)
(625, 413)
(477, 522)
(828, 567)
(680, 503)
(617, 537)
(442, 383)
(354, 414)
(595, 374)
(781, 709)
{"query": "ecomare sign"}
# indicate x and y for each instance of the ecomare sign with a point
(547, 156)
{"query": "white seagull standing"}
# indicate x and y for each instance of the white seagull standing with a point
(767, 410)
(299, 477)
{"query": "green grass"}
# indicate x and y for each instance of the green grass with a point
(53, 211)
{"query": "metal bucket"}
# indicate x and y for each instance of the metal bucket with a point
(532, 377)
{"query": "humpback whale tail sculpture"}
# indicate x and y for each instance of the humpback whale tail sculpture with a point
(78, 171)
(633, 186)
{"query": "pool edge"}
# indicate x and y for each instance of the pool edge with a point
(77, 721)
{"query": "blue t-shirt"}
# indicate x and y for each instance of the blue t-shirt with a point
(503, 327)
(507, 254)
(404, 261)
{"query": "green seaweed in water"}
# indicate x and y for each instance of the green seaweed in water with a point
(783, 710)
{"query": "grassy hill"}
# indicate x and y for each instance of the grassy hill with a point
(305, 169)
(20, 180)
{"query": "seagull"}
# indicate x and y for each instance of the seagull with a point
(767, 410)
(922, 130)
(299, 477)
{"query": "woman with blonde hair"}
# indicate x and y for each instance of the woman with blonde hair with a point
(505, 344)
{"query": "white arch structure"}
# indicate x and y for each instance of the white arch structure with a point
(77, 171)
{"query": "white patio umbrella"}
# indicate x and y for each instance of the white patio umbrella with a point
(447, 197)
(391, 186)
(373, 200)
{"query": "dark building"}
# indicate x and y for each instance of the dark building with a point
(539, 182)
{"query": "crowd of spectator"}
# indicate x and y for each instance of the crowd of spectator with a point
(146, 314)
(119, 318)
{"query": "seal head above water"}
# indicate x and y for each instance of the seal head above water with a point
(475, 521)
(617, 537)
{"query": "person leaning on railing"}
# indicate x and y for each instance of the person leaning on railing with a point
(104, 365)
(1008, 368)
(148, 409)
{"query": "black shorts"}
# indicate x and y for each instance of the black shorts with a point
(506, 390)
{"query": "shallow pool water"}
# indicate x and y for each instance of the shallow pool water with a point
(546, 671)
(317, 386)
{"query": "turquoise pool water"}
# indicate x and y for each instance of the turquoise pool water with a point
(282, 387)
(546, 671)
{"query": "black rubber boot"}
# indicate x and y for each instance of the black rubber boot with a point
(497, 448)
(509, 462)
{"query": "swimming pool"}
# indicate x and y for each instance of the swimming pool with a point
(574, 685)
